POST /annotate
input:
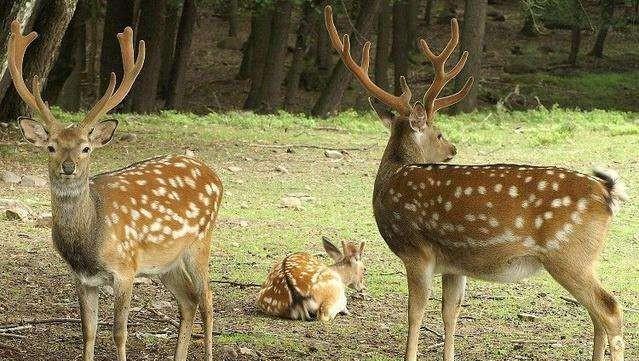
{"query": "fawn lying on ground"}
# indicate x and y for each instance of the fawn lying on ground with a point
(498, 222)
(301, 287)
(154, 217)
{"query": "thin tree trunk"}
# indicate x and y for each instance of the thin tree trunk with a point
(400, 43)
(607, 14)
(182, 55)
(260, 31)
(119, 14)
(412, 12)
(331, 96)
(301, 48)
(168, 46)
(269, 98)
(233, 18)
(575, 44)
(322, 49)
(52, 20)
(24, 11)
(472, 40)
(247, 52)
(382, 51)
(151, 28)
(428, 16)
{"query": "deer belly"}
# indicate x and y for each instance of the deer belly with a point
(493, 269)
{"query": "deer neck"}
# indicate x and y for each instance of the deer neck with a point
(76, 230)
(401, 149)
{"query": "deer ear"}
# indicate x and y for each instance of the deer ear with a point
(332, 251)
(102, 133)
(384, 114)
(418, 118)
(33, 131)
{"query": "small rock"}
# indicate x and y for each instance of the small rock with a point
(16, 211)
(281, 169)
(333, 154)
(143, 280)
(189, 153)
(527, 317)
(234, 169)
(229, 352)
(44, 220)
(9, 177)
(247, 351)
(244, 205)
(128, 137)
(33, 181)
(292, 202)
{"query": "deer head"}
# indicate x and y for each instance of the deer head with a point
(413, 130)
(70, 147)
(349, 260)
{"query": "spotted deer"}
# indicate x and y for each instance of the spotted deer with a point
(154, 217)
(496, 222)
(301, 287)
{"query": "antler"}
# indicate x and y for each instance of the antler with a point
(400, 103)
(432, 103)
(132, 68)
(18, 44)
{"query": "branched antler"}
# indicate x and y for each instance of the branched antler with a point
(400, 103)
(432, 103)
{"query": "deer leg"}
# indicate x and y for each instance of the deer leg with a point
(122, 288)
(419, 273)
(452, 296)
(604, 310)
(179, 283)
(88, 299)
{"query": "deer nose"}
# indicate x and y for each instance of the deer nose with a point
(68, 167)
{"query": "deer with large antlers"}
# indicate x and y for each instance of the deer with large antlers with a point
(497, 222)
(154, 217)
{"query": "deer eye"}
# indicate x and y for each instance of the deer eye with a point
(51, 149)
(85, 150)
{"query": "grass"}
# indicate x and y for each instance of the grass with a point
(339, 207)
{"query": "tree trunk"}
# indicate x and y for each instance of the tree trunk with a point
(151, 29)
(575, 44)
(322, 49)
(412, 13)
(331, 96)
(382, 51)
(607, 14)
(182, 55)
(260, 33)
(472, 40)
(119, 14)
(168, 46)
(428, 16)
(247, 52)
(400, 43)
(52, 20)
(24, 11)
(233, 18)
(269, 98)
(301, 48)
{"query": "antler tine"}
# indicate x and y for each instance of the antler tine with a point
(432, 103)
(18, 45)
(131, 67)
(399, 103)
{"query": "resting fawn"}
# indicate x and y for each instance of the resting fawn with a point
(301, 287)
(154, 217)
(498, 222)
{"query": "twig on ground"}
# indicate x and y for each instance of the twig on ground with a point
(238, 284)
(164, 317)
(535, 341)
(434, 346)
(12, 335)
(631, 310)
(15, 328)
(311, 146)
(569, 300)
(436, 333)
